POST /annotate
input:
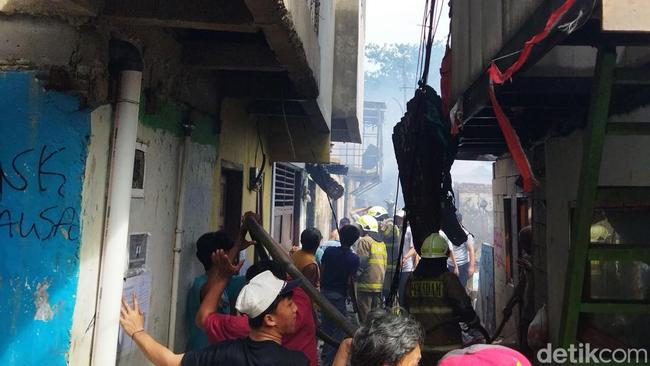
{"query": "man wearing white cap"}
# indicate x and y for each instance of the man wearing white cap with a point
(271, 312)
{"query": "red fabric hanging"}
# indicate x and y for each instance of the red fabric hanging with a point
(514, 145)
(498, 77)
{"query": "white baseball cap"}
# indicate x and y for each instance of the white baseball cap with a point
(260, 293)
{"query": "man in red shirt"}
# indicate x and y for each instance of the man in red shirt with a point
(221, 327)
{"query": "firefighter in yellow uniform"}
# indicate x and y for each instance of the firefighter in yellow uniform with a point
(372, 268)
(436, 298)
(389, 234)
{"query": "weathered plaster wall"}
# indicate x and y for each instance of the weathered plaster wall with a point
(503, 186)
(238, 141)
(625, 163)
(199, 180)
(156, 214)
(69, 58)
(160, 131)
(326, 42)
(347, 96)
(44, 139)
(92, 232)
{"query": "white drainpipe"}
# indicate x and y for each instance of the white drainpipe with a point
(114, 255)
(183, 157)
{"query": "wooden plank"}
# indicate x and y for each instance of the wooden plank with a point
(492, 34)
(623, 196)
(594, 141)
(616, 307)
(620, 252)
(626, 16)
(632, 76)
(629, 128)
(475, 94)
(476, 40)
(460, 47)
(515, 13)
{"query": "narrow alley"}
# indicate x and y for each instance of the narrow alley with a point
(324, 182)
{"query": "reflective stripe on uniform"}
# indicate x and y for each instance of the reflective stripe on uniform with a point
(426, 289)
(431, 310)
(370, 286)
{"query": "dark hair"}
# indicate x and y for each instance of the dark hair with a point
(258, 321)
(310, 239)
(210, 242)
(526, 239)
(348, 234)
(385, 339)
(344, 221)
(266, 265)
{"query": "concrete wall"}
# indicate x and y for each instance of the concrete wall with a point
(92, 224)
(238, 141)
(48, 299)
(347, 97)
(326, 40)
(156, 214)
(44, 139)
(503, 186)
(625, 163)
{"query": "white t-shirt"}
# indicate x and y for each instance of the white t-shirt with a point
(460, 252)
(409, 265)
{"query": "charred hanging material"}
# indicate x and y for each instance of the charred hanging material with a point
(425, 151)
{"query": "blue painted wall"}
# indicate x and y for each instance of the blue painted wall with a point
(43, 148)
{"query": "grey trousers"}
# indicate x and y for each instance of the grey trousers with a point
(367, 301)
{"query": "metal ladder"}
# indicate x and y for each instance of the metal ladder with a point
(582, 251)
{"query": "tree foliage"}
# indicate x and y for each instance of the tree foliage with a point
(392, 64)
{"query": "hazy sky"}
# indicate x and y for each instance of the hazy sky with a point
(390, 21)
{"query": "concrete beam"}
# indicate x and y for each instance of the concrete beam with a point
(256, 85)
(217, 15)
(347, 95)
(275, 21)
(52, 8)
(230, 56)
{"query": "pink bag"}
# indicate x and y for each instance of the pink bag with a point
(484, 355)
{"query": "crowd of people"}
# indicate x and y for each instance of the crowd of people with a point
(266, 318)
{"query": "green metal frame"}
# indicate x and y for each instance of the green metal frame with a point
(593, 143)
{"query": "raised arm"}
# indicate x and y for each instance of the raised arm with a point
(132, 321)
(215, 286)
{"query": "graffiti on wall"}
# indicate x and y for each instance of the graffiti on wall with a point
(499, 249)
(43, 147)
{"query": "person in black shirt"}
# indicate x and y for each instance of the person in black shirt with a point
(271, 312)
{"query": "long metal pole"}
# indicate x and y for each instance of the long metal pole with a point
(279, 255)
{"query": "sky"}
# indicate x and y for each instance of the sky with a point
(390, 21)
(405, 21)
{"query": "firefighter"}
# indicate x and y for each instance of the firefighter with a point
(372, 268)
(390, 235)
(436, 298)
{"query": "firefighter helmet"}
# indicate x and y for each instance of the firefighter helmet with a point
(368, 223)
(434, 246)
(378, 212)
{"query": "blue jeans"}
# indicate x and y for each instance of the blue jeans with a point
(463, 273)
(403, 279)
(329, 327)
